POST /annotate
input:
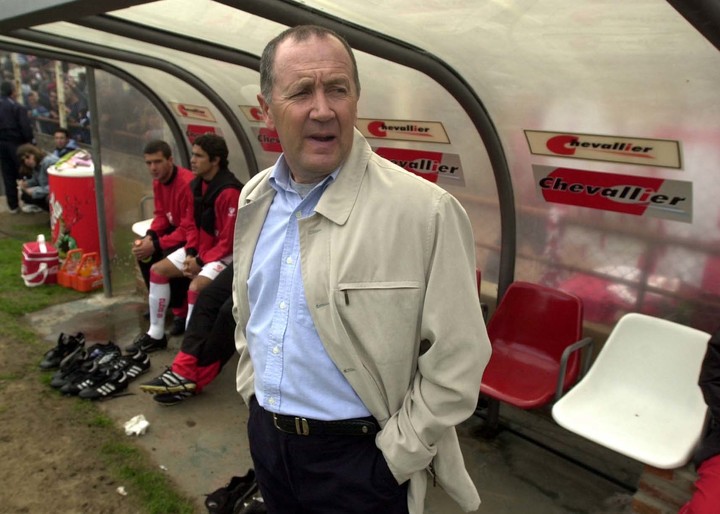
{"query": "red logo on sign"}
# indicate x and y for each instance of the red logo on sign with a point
(558, 145)
(269, 140)
(381, 128)
(193, 131)
(568, 145)
(605, 191)
(256, 113)
(422, 163)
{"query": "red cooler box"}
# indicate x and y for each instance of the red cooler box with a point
(39, 263)
(72, 202)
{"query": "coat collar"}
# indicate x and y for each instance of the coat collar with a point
(339, 198)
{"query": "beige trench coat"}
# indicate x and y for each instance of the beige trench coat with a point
(388, 264)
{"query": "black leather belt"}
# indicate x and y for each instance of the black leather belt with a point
(306, 426)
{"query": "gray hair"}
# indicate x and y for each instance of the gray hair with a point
(299, 33)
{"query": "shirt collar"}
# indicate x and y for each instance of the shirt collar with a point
(280, 176)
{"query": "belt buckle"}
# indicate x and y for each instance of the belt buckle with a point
(301, 426)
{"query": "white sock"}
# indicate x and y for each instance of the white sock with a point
(158, 300)
(187, 319)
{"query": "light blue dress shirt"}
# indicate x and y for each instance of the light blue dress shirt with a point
(294, 375)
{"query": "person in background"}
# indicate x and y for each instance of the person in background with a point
(208, 226)
(15, 130)
(63, 143)
(172, 200)
(34, 189)
(706, 499)
(208, 345)
(361, 338)
(37, 110)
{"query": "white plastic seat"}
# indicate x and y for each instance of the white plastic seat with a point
(641, 396)
(140, 228)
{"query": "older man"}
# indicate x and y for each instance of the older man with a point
(360, 334)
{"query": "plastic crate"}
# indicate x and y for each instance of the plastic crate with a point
(89, 276)
(69, 267)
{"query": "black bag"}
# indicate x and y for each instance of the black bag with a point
(255, 505)
(231, 498)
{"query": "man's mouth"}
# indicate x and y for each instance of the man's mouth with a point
(323, 139)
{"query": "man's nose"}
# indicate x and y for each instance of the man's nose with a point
(321, 107)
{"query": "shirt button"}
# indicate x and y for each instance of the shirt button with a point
(289, 260)
(276, 350)
(283, 305)
(271, 400)
(298, 215)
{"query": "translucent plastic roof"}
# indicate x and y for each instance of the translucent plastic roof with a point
(607, 68)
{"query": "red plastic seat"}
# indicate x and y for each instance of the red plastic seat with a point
(536, 332)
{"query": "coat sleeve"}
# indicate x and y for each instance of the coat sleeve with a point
(182, 202)
(159, 224)
(710, 376)
(226, 205)
(454, 348)
(41, 178)
(23, 118)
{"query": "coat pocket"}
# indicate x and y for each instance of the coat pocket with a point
(382, 318)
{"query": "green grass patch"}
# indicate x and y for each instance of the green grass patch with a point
(45, 379)
(16, 298)
(91, 415)
(126, 462)
(153, 486)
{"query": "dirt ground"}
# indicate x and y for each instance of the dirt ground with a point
(49, 450)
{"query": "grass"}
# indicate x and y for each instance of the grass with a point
(16, 298)
(127, 463)
(152, 486)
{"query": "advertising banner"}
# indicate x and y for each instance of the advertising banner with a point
(639, 196)
(268, 139)
(403, 130)
(193, 131)
(192, 111)
(648, 152)
(439, 167)
(252, 113)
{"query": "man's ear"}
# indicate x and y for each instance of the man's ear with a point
(267, 116)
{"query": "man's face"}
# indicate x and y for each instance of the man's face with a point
(313, 105)
(159, 166)
(61, 140)
(201, 164)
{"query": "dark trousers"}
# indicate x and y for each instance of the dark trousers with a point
(209, 340)
(321, 474)
(10, 171)
(40, 202)
(178, 286)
